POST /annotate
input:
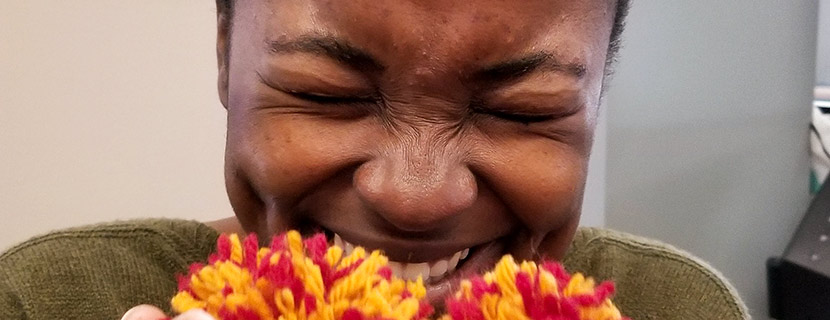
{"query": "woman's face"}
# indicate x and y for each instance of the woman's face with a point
(422, 128)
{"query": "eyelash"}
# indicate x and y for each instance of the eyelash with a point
(525, 119)
(520, 118)
(331, 100)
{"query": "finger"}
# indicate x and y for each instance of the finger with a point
(195, 314)
(144, 312)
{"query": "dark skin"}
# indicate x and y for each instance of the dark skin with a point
(417, 127)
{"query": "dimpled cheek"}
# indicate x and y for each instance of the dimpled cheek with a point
(549, 209)
(286, 156)
(544, 189)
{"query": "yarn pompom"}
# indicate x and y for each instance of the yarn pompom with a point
(298, 280)
(531, 291)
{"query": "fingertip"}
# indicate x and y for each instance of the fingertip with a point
(144, 312)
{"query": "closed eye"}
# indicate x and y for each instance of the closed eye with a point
(320, 98)
(524, 118)
(520, 118)
(327, 99)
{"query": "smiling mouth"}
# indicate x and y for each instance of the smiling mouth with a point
(441, 275)
(430, 272)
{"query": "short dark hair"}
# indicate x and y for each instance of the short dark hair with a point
(225, 9)
(616, 33)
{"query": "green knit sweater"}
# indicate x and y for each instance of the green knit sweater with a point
(99, 272)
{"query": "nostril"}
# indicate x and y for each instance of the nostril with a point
(412, 200)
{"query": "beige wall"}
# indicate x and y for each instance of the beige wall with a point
(108, 110)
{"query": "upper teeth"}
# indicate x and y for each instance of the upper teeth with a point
(428, 271)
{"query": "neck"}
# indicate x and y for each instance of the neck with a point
(227, 225)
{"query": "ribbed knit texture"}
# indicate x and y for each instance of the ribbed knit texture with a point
(100, 271)
(653, 280)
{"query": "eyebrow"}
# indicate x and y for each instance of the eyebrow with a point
(521, 67)
(356, 58)
(327, 46)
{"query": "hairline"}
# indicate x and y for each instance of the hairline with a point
(225, 10)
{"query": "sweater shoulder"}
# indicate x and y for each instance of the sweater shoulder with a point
(654, 280)
(99, 271)
(178, 233)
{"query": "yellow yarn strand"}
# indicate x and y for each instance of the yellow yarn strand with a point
(236, 249)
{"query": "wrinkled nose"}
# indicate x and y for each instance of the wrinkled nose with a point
(416, 191)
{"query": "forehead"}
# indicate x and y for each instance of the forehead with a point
(440, 33)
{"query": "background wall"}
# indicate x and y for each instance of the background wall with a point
(823, 55)
(108, 110)
(707, 130)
